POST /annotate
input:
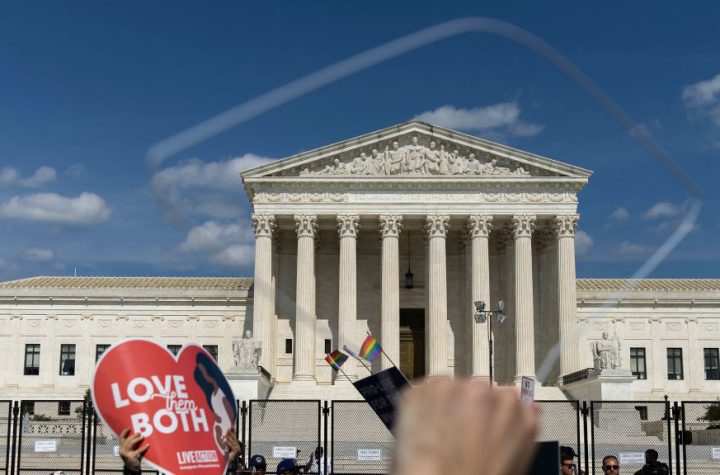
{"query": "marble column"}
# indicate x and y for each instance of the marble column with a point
(348, 226)
(523, 227)
(390, 227)
(695, 358)
(305, 318)
(565, 226)
(479, 232)
(436, 227)
(263, 289)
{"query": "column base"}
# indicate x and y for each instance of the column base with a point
(480, 377)
(304, 377)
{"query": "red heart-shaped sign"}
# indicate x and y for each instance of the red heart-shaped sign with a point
(182, 405)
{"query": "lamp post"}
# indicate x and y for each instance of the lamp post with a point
(482, 316)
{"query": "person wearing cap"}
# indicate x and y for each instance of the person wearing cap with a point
(257, 465)
(287, 467)
(567, 461)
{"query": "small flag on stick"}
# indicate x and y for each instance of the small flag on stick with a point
(370, 349)
(336, 359)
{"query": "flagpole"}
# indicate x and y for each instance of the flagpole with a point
(346, 376)
(383, 352)
(361, 361)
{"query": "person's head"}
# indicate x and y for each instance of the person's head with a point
(567, 461)
(258, 463)
(605, 335)
(318, 452)
(610, 465)
(651, 456)
(248, 333)
(287, 467)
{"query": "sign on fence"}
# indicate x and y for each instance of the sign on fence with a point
(632, 458)
(369, 455)
(284, 452)
(46, 446)
(715, 452)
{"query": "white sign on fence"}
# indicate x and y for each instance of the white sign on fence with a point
(116, 451)
(46, 446)
(284, 452)
(715, 452)
(370, 455)
(632, 458)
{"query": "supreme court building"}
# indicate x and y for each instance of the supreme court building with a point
(396, 232)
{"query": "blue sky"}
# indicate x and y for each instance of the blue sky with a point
(87, 87)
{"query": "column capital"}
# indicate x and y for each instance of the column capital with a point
(437, 225)
(565, 225)
(390, 225)
(306, 225)
(263, 224)
(479, 225)
(348, 225)
(523, 225)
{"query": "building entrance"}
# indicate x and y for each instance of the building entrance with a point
(412, 342)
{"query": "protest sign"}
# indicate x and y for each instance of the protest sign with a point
(182, 404)
(527, 390)
(381, 391)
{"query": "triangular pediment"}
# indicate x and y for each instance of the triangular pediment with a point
(415, 150)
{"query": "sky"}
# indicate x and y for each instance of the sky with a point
(87, 88)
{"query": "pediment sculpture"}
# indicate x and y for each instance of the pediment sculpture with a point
(414, 159)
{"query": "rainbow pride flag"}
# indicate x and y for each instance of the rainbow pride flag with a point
(370, 349)
(336, 359)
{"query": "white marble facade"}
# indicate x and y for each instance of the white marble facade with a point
(336, 229)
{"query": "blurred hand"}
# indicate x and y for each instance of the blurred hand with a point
(463, 426)
(231, 441)
(130, 450)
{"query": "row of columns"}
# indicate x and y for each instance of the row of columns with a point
(436, 228)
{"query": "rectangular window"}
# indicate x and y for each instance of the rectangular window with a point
(99, 350)
(712, 363)
(328, 346)
(63, 408)
(674, 363)
(288, 346)
(637, 363)
(67, 360)
(174, 349)
(213, 350)
(32, 359)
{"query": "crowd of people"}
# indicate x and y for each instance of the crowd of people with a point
(611, 464)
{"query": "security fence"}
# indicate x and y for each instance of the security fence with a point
(41, 436)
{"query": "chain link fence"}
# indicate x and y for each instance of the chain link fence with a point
(626, 429)
(701, 437)
(560, 421)
(51, 436)
(5, 435)
(279, 429)
(360, 442)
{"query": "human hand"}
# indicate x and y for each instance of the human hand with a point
(130, 452)
(455, 426)
(233, 444)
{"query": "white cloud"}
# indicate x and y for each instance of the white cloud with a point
(223, 175)
(212, 236)
(663, 209)
(9, 176)
(505, 115)
(86, 208)
(619, 215)
(627, 247)
(39, 254)
(703, 93)
(238, 255)
(583, 242)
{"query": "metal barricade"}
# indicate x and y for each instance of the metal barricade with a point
(359, 442)
(560, 421)
(51, 436)
(279, 428)
(626, 429)
(5, 435)
(700, 437)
